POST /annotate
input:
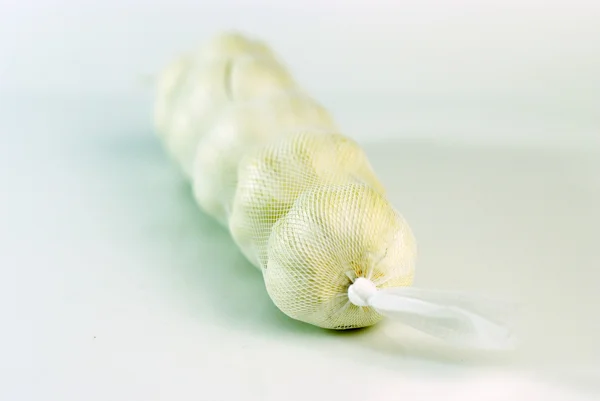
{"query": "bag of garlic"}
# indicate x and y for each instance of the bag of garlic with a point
(301, 200)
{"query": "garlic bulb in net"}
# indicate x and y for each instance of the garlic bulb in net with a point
(241, 128)
(332, 235)
(271, 179)
(195, 90)
(173, 82)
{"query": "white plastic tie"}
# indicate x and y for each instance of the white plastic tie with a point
(460, 319)
(361, 291)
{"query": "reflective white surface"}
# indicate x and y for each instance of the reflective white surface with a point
(114, 286)
(115, 283)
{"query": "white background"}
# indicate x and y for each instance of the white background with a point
(471, 66)
(482, 118)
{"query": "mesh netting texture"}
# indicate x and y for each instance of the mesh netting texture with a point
(267, 161)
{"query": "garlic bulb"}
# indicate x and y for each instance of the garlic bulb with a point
(332, 235)
(194, 90)
(241, 128)
(273, 177)
(173, 81)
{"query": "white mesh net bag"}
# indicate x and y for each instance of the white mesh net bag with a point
(301, 200)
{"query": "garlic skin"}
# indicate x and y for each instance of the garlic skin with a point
(242, 128)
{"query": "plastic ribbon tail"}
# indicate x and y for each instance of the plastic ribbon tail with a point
(460, 319)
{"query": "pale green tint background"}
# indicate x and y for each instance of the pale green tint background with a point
(482, 118)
